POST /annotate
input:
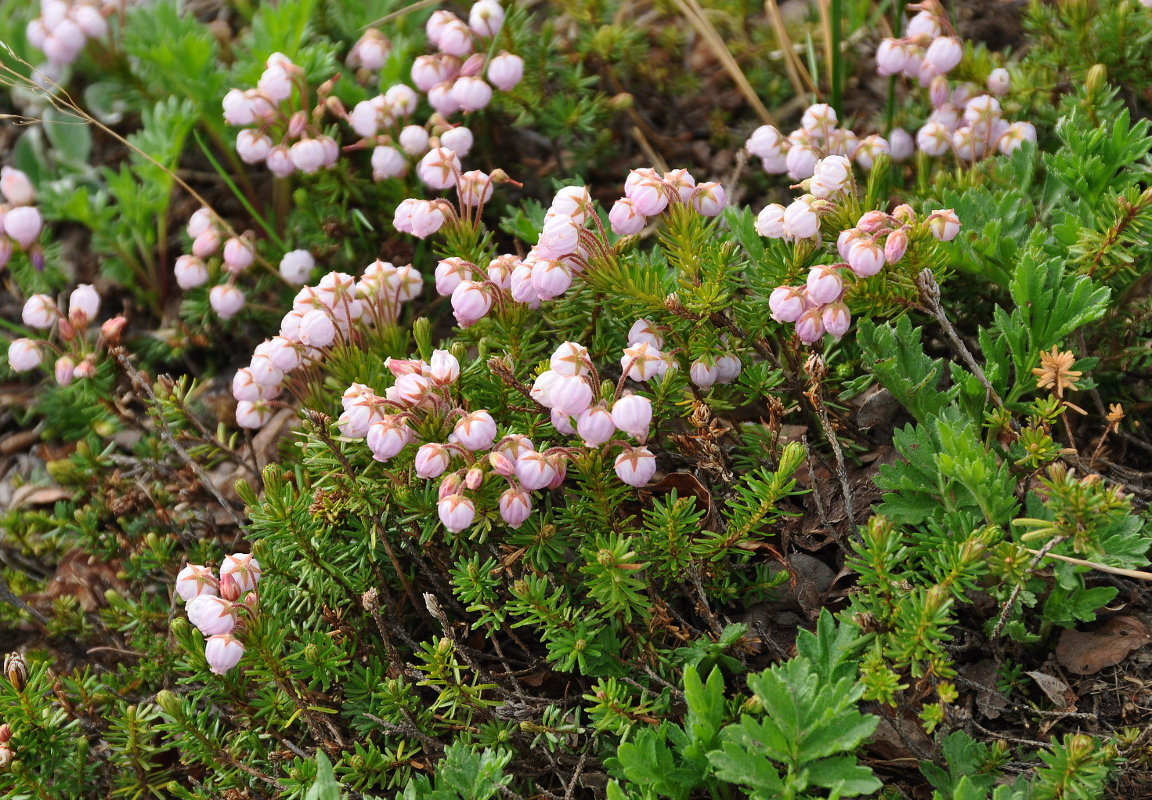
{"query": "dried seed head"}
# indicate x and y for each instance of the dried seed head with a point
(16, 668)
(1055, 372)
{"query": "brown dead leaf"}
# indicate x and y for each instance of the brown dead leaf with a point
(988, 701)
(1085, 653)
(686, 484)
(82, 576)
(1061, 695)
(29, 495)
(18, 441)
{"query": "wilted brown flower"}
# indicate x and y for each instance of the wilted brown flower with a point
(1115, 413)
(1056, 371)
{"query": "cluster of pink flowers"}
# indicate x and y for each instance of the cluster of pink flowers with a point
(236, 254)
(20, 221)
(964, 120)
(216, 605)
(451, 80)
(450, 77)
(969, 123)
(76, 357)
(279, 129)
(878, 239)
(322, 315)
(440, 168)
(64, 28)
(819, 137)
(422, 390)
(929, 50)
(648, 194)
(369, 54)
(645, 359)
(566, 245)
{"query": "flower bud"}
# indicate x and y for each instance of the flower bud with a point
(895, 246)
(570, 358)
(425, 218)
(456, 512)
(474, 188)
(515, 507)
(16, 670)
(432, 460)
(570, 395)
(648, 196)
(501, 464)
(770, 221)
(865, 257)
(636, 466)
(193, 581)
(824, 284)
(944, 54)
(206, 244)
(308, 155)
(211, 614)
(223, 652)
(317, 328)
(485, 18)
(226, 300)
(800, 220)
(439, 168)
(252, 146)
(471, 94)
(595, 425)
(870, 149)
(632, 414)
(642, 362)
(944, 225)
(708, 199)
(505, 71)
(455, 39)
(253, 413)
(23, 355)
(229, 588)
(296, 266)
(934, 139)
(786, 303)
(64, 370)
(244, 568)
(810, 326)
(901, 145)
(644, 331)
(239, 253)
(534, 470)
(476, 431)
(891, 57)
(625, 219)
(16, 187)
(471, 302)
(836, 319)
(443, 369)
(458, 139)
(23, 225)
(550, 278)
(86, 368)
(702, 373)
(728, 368)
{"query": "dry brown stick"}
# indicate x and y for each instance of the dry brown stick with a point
(1011, 601)
(695, 14)
(930, 294)
(169, 439)
(816, 369)
(1127, 573)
